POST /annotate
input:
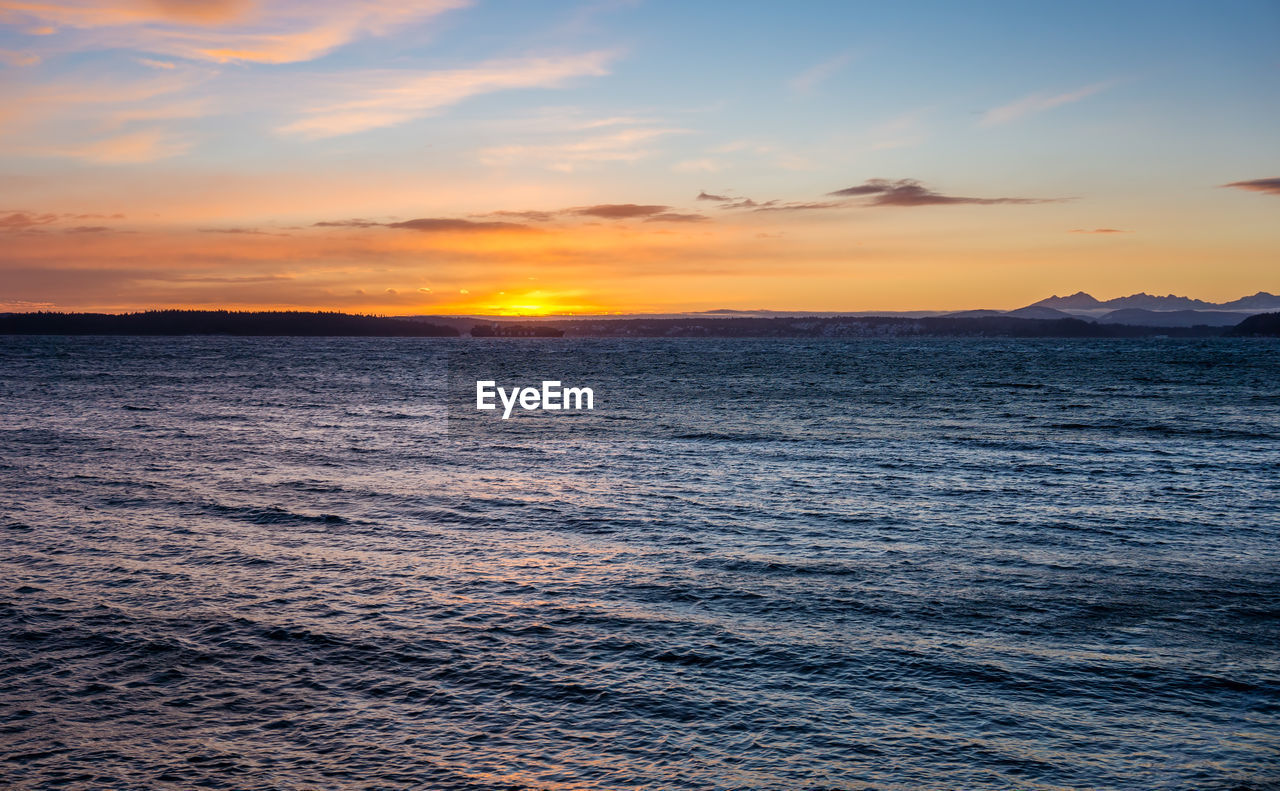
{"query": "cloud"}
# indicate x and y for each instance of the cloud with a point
(157, 64)
(144, 145)
(622, 146)
(618, 211)
(441, 224)
(1096, 230)
(220, 30)
(355, 223)
(696, 166)
(668, 216)
(1038, 102)
(1265, 186)
(220, 278)
(907, 129)
(12, 221)
(871, 187)
(794, 206)
(102, 13)
(91, 98)
(529, 216)
(428, 225)
(201, 11)
(245, 231)
(386, 98)
(909, 192)
(809, 79)
(24, 306)
(606, 211)
(13, 58)
(730, 202)
(603, 211)
(877, 192)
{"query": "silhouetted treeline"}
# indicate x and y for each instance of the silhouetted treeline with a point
(1267, 324)
(223, 322)
(216, 322)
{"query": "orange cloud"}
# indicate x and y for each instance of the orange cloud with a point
(223, 30)
(145, 145)
(12, 58)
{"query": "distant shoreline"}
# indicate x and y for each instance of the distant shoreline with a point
(324, 324)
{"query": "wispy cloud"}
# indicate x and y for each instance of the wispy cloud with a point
(1038, 102)
(15, 58)
(624, 145)
(220, 30)
(157, 64)
(901, 131)
(386, 98)
(1096, 230)
(144, 145)
(97, 117)
(1265, 186)
(704, 165)
(808, 80)
(11, 220)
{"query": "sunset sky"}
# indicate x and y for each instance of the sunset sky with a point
(516, 157)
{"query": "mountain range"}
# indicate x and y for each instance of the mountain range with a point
(1082, 301)
(1142, 309)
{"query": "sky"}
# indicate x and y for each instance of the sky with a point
(467, 156)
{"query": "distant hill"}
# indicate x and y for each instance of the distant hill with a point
(1038, 312)
(1266, 324)
(1171, 318)
(972, 314)
(217, 322)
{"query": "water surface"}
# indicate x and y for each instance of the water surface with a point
(901, 564)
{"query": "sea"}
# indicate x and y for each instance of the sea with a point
(898, 563)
